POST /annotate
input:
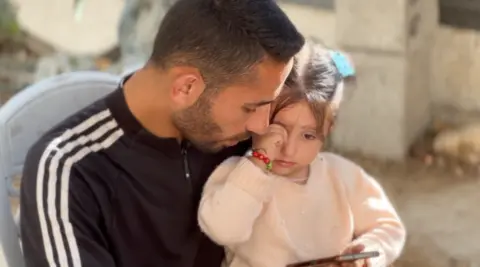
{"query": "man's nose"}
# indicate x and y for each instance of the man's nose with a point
(259, 121)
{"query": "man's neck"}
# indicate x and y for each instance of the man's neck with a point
(147, 100)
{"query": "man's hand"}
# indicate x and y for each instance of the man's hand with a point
(352, 250)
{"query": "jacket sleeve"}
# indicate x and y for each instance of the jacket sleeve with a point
(377, 224)
(60, 217)
(232, 200)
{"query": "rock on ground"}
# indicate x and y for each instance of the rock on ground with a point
(462, 143)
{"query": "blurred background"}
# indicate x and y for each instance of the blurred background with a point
(412, 118)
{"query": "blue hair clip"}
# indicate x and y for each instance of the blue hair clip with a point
(342, 63)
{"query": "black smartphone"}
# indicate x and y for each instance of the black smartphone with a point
(337, 259)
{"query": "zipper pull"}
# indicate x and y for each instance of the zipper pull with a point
(186, 168)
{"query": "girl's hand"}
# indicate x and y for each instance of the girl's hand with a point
(271, 143)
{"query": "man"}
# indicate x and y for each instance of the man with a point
(118, 183)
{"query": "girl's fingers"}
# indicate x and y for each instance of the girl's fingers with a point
(278, 129)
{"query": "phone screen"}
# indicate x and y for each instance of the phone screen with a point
(335, 259)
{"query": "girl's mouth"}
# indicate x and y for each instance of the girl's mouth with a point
(283, 163)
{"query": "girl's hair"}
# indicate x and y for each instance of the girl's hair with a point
(316, 80)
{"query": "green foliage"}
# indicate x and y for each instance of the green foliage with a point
(9, 27)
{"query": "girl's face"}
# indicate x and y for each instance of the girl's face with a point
(303, 143)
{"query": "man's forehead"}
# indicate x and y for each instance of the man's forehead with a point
(288, 69)
(274, 71)
(271, 76)
(264, 87)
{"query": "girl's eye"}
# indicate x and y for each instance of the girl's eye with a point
(310, 136)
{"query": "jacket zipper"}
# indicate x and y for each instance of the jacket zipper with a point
(186, 167)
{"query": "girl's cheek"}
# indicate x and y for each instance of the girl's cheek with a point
(310, 151)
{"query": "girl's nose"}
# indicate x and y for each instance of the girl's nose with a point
(288, 148)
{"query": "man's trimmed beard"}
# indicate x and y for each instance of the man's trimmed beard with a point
(196, 124)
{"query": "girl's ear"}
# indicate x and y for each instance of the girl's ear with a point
(329, 119)
(328, 128)
(331, 126)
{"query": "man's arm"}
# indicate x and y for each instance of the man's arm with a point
(61, 222)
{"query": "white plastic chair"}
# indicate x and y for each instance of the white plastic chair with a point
(23, 119)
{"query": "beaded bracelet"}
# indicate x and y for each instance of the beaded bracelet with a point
(257, 154)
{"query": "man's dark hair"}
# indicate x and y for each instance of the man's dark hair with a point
(224, 39)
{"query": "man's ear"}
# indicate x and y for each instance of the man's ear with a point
(187, 87)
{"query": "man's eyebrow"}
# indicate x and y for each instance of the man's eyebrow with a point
(259, 104)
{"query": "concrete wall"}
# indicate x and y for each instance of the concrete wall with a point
(453, 79)
(456, 61)
(455, 64)
(314, 22)
(389, 106)
(456, 69)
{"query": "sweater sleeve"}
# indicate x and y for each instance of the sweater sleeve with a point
(232, 199)
(377, 224)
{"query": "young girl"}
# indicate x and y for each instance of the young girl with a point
(285, 202)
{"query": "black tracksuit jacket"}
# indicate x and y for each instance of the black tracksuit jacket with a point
(99, 190)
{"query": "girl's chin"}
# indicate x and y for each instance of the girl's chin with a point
(280, 171)
(290, 172)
